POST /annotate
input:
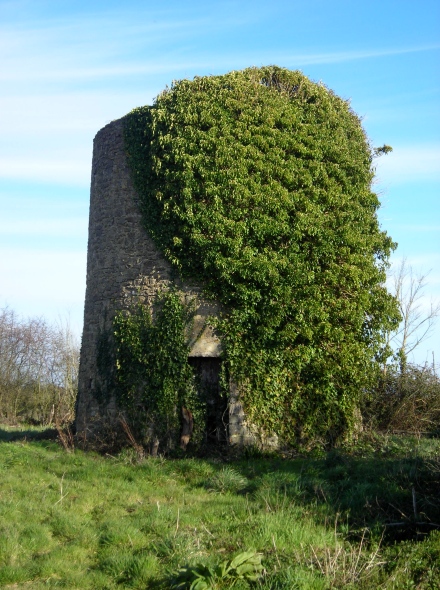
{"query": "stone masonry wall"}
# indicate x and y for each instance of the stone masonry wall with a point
(123, 266)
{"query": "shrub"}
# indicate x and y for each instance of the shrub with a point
(408, 401)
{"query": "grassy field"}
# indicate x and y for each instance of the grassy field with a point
(355, 518)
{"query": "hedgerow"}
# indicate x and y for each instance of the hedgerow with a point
(257, 184)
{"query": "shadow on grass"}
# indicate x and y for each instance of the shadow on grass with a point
(386, 486)
(27, 433)
(394, 497)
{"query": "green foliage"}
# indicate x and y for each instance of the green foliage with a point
(245, 566)
(258, 184)
(383, 150)
(153, 377)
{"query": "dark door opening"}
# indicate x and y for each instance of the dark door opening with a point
(207, 370)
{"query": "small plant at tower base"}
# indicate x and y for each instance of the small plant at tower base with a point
(153, 378)
(244, 567)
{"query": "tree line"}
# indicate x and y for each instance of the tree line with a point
(38, 370)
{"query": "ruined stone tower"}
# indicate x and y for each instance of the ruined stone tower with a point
(124, 265)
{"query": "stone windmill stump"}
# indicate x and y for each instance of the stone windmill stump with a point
(123, 267)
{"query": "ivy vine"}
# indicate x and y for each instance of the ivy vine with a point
(153, 377)
(257, 183)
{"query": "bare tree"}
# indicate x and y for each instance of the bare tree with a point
(418, 320)
(38, 369)
(63, 368)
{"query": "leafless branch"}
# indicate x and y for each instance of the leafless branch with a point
(417, 320)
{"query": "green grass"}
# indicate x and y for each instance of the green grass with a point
(341, 520)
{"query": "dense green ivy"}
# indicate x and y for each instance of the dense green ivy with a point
(153, 377)
(257, 183)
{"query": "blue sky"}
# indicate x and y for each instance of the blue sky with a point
(68, 68)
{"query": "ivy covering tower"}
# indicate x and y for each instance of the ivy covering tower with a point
(257, 184)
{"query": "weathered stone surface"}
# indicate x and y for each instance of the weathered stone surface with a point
(124, 266)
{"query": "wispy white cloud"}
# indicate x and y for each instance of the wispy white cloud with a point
(49, 228)
(417, 227)
(353, 55)
(400, 112)
(161, 64)
(52, 168)
(24, 269)
(427, 264)
(49, 137)
(77, 113)
(43, 282)
(410, 162)
(104, 46)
